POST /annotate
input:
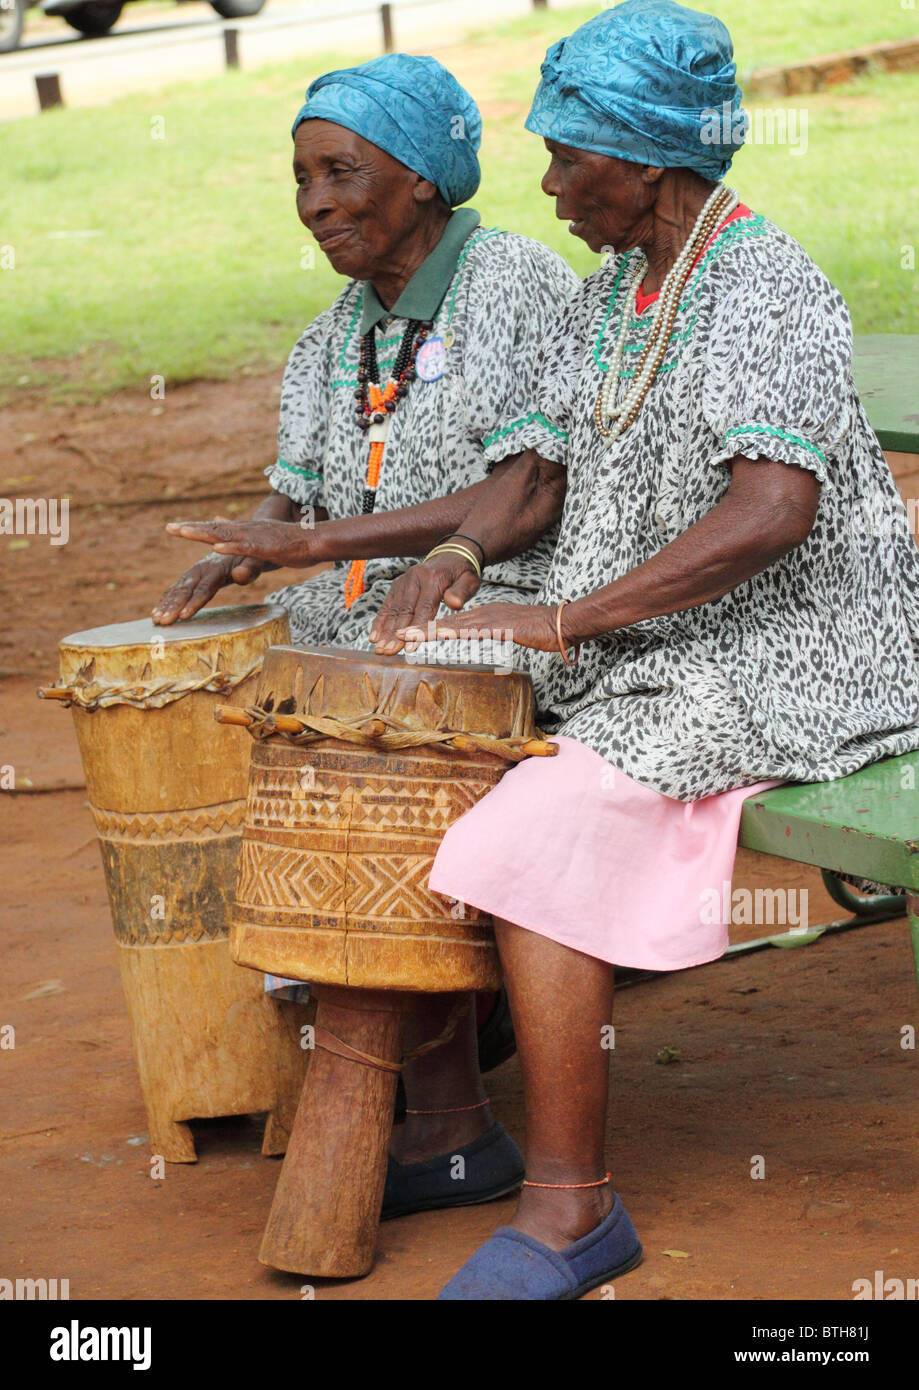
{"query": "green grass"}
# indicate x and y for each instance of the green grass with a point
(196, 269)
(765, 32)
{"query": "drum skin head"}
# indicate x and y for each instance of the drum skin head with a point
(143, 632)
(350, 654)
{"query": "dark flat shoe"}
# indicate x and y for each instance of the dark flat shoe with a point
(493, 1167)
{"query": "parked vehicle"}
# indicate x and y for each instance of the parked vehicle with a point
(92, 17)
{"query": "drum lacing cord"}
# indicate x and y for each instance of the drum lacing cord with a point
(263, 724)
(151, 694)
(329, 1042)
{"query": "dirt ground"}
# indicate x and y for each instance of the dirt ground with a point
(792, 1056)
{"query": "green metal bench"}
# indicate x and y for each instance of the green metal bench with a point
(886, 369)
(866, 825)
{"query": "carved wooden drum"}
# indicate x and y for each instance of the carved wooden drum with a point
(360, 763)
(168, 799)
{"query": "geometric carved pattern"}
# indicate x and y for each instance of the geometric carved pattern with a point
(271, 877)
(282, 798)
(383, 888)
(200, 823)
(349, 839)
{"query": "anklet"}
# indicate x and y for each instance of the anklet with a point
(453, 1110)
(599, 1183)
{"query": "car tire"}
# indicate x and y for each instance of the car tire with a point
(95, 18)
(11, 17)
(237, 9)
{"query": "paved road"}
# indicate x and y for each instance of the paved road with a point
(153, 47)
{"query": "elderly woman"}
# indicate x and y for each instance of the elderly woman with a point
(412, 386)
(716, 616)
(397, 403)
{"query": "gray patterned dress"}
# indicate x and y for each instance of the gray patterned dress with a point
(445, 435)
(807, 671)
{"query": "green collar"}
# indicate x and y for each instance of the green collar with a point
(423, 295)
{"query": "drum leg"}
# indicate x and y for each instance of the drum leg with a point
(170, 1139)
(209, 1042)
(326, 1208)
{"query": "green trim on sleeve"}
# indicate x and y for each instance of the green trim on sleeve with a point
(777, 434)
(519, 424)
(310, 474)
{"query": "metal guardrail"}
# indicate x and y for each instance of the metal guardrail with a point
(48, 84)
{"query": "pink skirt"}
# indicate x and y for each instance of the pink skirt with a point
(572, 848)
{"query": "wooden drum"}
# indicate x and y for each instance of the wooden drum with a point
(168, 799)
(360, 764)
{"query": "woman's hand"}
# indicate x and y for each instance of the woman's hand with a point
(198, 585)
(415, 597)
(284, 544)
(524, 624)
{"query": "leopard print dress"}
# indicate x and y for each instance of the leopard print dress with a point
(445, 435)
(806, 672)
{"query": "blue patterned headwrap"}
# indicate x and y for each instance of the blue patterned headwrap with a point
(648, 81)
(412, 108)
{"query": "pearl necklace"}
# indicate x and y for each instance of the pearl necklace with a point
(612, 419)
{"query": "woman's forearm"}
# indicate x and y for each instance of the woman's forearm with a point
(745, 533)
(277, 506)
(522, 504)
(415, 530)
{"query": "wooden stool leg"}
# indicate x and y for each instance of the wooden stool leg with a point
(326, 1207)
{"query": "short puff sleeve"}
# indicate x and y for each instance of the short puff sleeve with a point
(777, 381)
(303, 423)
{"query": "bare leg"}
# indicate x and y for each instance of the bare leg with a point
(560, 999)
(447, 1077)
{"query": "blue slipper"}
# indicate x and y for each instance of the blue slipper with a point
(513, 1265)
(492, 1167)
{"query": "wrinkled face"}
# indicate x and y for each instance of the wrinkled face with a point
(359, 203)
(606, 201)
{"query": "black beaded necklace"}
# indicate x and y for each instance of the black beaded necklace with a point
(374, 405)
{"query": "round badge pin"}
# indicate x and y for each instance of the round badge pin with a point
(431, 359)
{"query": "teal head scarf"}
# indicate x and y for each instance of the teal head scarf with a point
(649, 81)
(412, 108)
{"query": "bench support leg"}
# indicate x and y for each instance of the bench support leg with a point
(912, 910)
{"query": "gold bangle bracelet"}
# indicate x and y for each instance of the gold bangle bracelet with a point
(569, 661)
(457, 550)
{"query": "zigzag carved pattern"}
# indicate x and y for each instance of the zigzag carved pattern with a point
(189, 937)
(395, 886)
(202, 823)
(384, 886)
